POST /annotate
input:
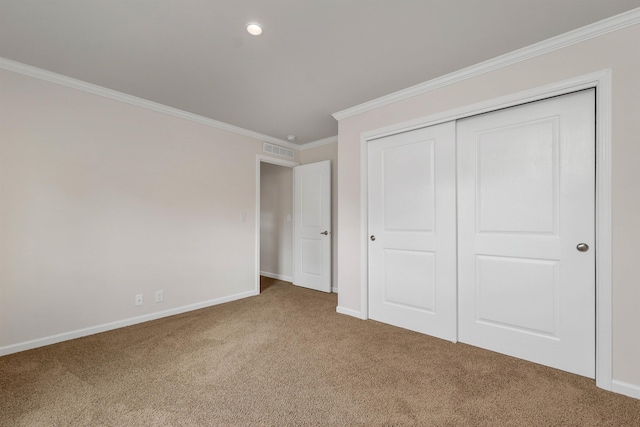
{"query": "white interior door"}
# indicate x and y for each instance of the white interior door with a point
(412, 229)
(526, 180)
(312, 226)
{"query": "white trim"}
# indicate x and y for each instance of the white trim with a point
(604, 283)
(78, 333)
(554, 89)
(350, 312)
(51, 77)
(318, 143)
(604, 233)
(587, 32)
(334, 290)
(276, 276)
(364, 227)
(276, 161)
(631, 390)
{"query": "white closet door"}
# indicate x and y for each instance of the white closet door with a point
(412, 226)
(526, 183)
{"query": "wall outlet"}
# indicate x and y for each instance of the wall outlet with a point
(243, 217)
(159, 296)
(139, 299)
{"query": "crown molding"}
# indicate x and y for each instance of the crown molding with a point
(319, 143)
(578, 35)
(38, 73)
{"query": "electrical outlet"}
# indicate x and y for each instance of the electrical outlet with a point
(159, 296)
(139, 299)
(243, 217)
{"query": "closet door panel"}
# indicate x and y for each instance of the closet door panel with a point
(526, 185)
(412, 253)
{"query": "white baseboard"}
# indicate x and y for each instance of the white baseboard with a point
(277, 276)
(65, 336)
(631, 390)
(334, 290)
(350, 312)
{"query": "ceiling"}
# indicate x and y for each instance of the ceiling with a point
(315, 57)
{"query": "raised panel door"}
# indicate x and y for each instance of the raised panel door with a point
(526, 199)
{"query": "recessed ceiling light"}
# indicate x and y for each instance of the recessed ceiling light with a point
(254, 28)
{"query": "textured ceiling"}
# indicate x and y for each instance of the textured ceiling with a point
(315, 57)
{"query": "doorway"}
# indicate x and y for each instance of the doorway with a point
(293, 222)
(274, 220)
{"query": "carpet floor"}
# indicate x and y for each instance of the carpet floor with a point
(286, 357)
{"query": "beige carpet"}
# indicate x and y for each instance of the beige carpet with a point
(286, 358)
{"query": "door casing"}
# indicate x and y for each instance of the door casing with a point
(601, 81)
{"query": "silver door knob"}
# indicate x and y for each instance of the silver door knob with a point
(373, 237)
(582, 247)
(325, 233)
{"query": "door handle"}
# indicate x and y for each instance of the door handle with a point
(372, 237)
(326, 233)
(582, 247)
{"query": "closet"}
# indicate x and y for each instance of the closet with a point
(482, 231)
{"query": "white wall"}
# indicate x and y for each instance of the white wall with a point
(101, 200)
(276, 224)
(619, 52)
(318, 154)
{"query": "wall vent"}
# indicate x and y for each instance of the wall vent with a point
(278, 151)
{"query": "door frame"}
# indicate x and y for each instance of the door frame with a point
(261, 158)
(601, 81)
